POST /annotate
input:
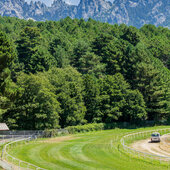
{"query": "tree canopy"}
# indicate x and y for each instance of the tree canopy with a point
(72, 72)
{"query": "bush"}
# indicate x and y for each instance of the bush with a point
(50, 133)
(54, 132)
(85, 128)
(98, 126)
(94, 127)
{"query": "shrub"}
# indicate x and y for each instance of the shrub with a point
(54, 132)
(85, 128)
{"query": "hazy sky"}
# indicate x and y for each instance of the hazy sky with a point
(49, 2)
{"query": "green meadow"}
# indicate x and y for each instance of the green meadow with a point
(92, 150)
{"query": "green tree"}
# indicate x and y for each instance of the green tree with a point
(36, 106)
(123, 71)
(91, 64)
(159, 46)
(61, 57)
(7, 53)
(41, 60)
(92, 98)
(61, 40)
(31, 53)
(117, 100)
(81, 48)
(114, 55)
(85, 60)
(132, 58)
(69, 88)
(100, 42)
(132, 35)
(113, 52)
(27, 46)
(135, 109)
(151, 85)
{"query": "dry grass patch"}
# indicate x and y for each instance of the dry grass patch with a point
(58, 139)
(165, 144)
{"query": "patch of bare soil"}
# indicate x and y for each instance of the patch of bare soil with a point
(165, 144)
(58, 139)
(167, 139)
(148, 147)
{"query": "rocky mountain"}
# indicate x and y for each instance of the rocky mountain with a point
(130, 12)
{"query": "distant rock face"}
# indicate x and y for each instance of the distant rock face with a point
(130, 12)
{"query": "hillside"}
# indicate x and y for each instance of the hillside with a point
(73, 72)
(136, 13)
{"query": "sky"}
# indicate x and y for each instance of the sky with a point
(49, 2)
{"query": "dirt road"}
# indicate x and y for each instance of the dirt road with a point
(153, 148)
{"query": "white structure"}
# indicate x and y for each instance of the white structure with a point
(3, 127)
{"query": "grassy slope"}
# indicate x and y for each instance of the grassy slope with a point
(95, 150)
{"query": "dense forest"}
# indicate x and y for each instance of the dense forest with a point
(73, 72)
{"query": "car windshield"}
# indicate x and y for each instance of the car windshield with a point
(155, 135)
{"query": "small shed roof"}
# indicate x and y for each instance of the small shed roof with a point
(3, 126)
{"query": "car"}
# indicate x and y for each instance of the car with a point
(155, 137)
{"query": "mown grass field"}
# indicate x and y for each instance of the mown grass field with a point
(94, 150)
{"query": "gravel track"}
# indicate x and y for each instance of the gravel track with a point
(153, 148)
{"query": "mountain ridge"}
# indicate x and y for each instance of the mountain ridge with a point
(130, 12)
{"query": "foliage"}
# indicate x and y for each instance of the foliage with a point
(7, 87)
(119, 101)
(36, 107)
(69, 88)
(73, 72)
(85, 128)
(49, 133)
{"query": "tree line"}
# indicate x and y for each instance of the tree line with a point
(74, 72)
